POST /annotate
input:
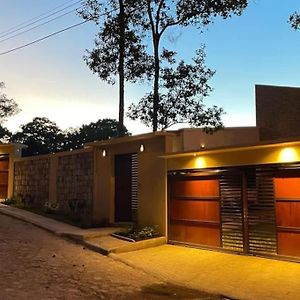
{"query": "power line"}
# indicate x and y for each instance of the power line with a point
(9, 32)
(39, 25)
(43, 38)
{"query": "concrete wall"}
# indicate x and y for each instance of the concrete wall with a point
(277, 111)
(243, 156)
(194, 138)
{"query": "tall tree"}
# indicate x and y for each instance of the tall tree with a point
(165, 14)
(118, 50)
(295, 20)
(182, 90)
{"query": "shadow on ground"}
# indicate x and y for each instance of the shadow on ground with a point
(170, 291)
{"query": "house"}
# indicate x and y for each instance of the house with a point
(236, 190)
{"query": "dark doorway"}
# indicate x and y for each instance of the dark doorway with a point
(125, 187)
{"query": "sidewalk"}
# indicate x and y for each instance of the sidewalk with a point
(236, 276)
(97, 239)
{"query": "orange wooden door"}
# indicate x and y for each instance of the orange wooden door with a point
(4, 167)
(287, 197)
(194, 211)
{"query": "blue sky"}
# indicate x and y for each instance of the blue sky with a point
(51, 79)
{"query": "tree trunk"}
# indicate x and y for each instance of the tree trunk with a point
(156, 82)
(121, 67)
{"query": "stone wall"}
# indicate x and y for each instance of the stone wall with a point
(31, 180)
(75, 183)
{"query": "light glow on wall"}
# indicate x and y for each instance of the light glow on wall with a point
(104, 153)
(200, 162)
(288, 154)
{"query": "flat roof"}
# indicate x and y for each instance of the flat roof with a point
(130, 138)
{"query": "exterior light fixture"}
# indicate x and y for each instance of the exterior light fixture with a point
(202, 146)
(142, 148)
(288, 155)
(194, 154)
(104, 152)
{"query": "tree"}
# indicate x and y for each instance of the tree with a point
(183, 89)
(8, 107)
(118, 50)
(5, 134)
(295, 20)
(101, 130)
(41, 136)
(163, 15)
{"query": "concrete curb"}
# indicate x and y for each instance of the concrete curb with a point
(78, 235)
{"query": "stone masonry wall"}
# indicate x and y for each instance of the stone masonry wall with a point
(75, 183)
(31, 181)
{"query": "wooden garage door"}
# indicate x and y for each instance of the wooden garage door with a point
(287, 196)
(194, 210)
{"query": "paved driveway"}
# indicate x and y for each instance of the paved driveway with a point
(35, 264)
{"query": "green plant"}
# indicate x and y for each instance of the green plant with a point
(139, 234)
(10, 201)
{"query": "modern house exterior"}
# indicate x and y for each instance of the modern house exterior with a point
(236, 190)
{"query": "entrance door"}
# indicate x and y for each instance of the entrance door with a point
(125, 187)
(194, 210)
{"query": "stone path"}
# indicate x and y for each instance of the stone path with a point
(35, 264)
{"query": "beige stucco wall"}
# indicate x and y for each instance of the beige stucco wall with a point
(151, 179)
(268, 154)
(194, 138)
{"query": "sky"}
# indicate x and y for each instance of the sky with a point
(50, 78)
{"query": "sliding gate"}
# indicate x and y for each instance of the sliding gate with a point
(238, 214)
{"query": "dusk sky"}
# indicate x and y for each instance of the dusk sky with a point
(51, 79)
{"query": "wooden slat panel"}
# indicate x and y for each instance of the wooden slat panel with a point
(231, 211)
(201, 235)
(196, 188)
(196, 210)
(288, 214)
(287, 187)
(289, 243)
(261, 212)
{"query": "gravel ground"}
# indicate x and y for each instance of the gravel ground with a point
(35, 264)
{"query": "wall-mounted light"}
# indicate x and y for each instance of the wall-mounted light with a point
(202, 146)
(142, 148)
(288, 154)
(104, 152)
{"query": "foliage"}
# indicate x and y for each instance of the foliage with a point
(10, 201)
(144, 233)
(101, 130)
(41, 136)
(294, 20)
(51, 207)
(5, 134)
(181, 99)
(118, 49)
(161, 15)
(8, 107)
